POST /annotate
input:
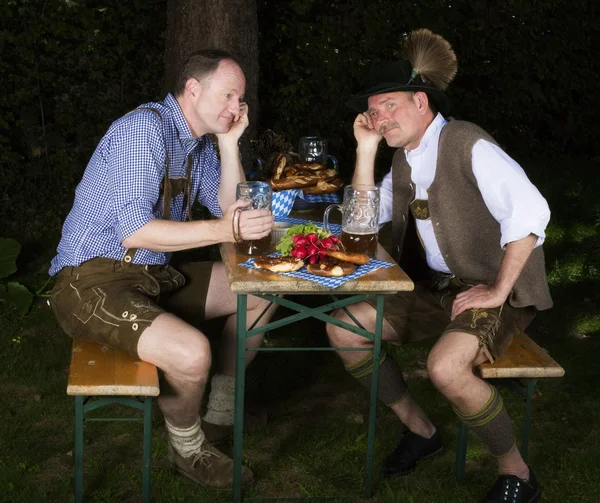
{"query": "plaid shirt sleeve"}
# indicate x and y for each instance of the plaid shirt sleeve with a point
(135, 161)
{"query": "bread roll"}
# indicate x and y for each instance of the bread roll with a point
(279, 264)
(331, 267)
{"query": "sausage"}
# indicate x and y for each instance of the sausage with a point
(354, 258)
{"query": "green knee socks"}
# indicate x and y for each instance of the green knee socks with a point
(492, 425)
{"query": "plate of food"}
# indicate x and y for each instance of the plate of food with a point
(312, 178)
(306, 251)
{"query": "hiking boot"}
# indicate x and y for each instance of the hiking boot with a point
(411, 450)
(210, 467)
(512, 489)
(217, 433)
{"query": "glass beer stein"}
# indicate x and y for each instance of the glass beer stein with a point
(360, 219)
(261, 195)
(314, 149)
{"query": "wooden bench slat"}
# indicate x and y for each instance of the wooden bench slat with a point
(113, 372)
(524, 358)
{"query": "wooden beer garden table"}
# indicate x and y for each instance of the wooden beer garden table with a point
(277, 288)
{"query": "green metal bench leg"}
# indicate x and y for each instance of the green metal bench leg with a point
(527, 420)
(240, 371)
(147, 448)
(79, 449)
(461, 451)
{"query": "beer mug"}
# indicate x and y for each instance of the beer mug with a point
(261, 195)
(360, 219)
(314, 149)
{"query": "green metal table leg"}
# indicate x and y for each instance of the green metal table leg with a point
(527, 420)
(461, 451)
(79, 449)
(373, 405)
(147, 449)
(240, 375)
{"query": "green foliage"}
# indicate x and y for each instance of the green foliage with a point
(524, 67)
(12, 292)
(68, 69)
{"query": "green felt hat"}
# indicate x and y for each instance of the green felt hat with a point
(429, 66)
(396, 76)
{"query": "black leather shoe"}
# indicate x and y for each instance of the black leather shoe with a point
(411, 450)
(512, 489)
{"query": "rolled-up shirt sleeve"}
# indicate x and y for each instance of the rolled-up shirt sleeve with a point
(385, 199)
(134, 157)
(509, 195)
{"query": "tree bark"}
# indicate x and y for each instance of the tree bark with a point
(231, 25)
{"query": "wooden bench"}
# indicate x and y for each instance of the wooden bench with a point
(101, 376)
(523, 363)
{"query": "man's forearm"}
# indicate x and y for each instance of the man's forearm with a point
(515, 257)
(169, 236)
(232, 173)
(364, 172)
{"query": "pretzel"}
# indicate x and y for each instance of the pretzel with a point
(308, 166)
(325, 187)
(279, 163)
(354, 258)
(296, 182)
(278, 264)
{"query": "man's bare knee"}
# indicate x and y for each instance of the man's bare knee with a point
(450, 363)
(340, 337)
(177, 348)
(441, 371)
(194, 366)
(258, 304)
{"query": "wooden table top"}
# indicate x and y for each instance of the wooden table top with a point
(243, 280)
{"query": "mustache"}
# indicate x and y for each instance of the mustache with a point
(388, 126)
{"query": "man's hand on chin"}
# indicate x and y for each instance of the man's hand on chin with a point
(237, 127)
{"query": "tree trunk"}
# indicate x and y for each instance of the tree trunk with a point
(231, 25)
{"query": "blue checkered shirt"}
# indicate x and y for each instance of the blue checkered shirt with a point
(120, 189)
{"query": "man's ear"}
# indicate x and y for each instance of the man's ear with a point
(193, 87)
(422, 101)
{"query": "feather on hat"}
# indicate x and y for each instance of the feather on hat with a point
(429, 66)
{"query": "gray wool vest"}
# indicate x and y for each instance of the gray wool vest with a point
(466, 232)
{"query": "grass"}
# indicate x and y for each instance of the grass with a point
(314, 444)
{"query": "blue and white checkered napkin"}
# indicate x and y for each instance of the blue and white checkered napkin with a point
(333, 197)
(328, 281)
(284, 200)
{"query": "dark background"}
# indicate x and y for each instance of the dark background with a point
(527, 74)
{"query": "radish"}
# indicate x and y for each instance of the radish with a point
(300, 240)
(312, 249)
(312, 237)
(299, 252)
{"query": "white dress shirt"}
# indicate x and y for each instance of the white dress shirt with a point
(510, 197)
